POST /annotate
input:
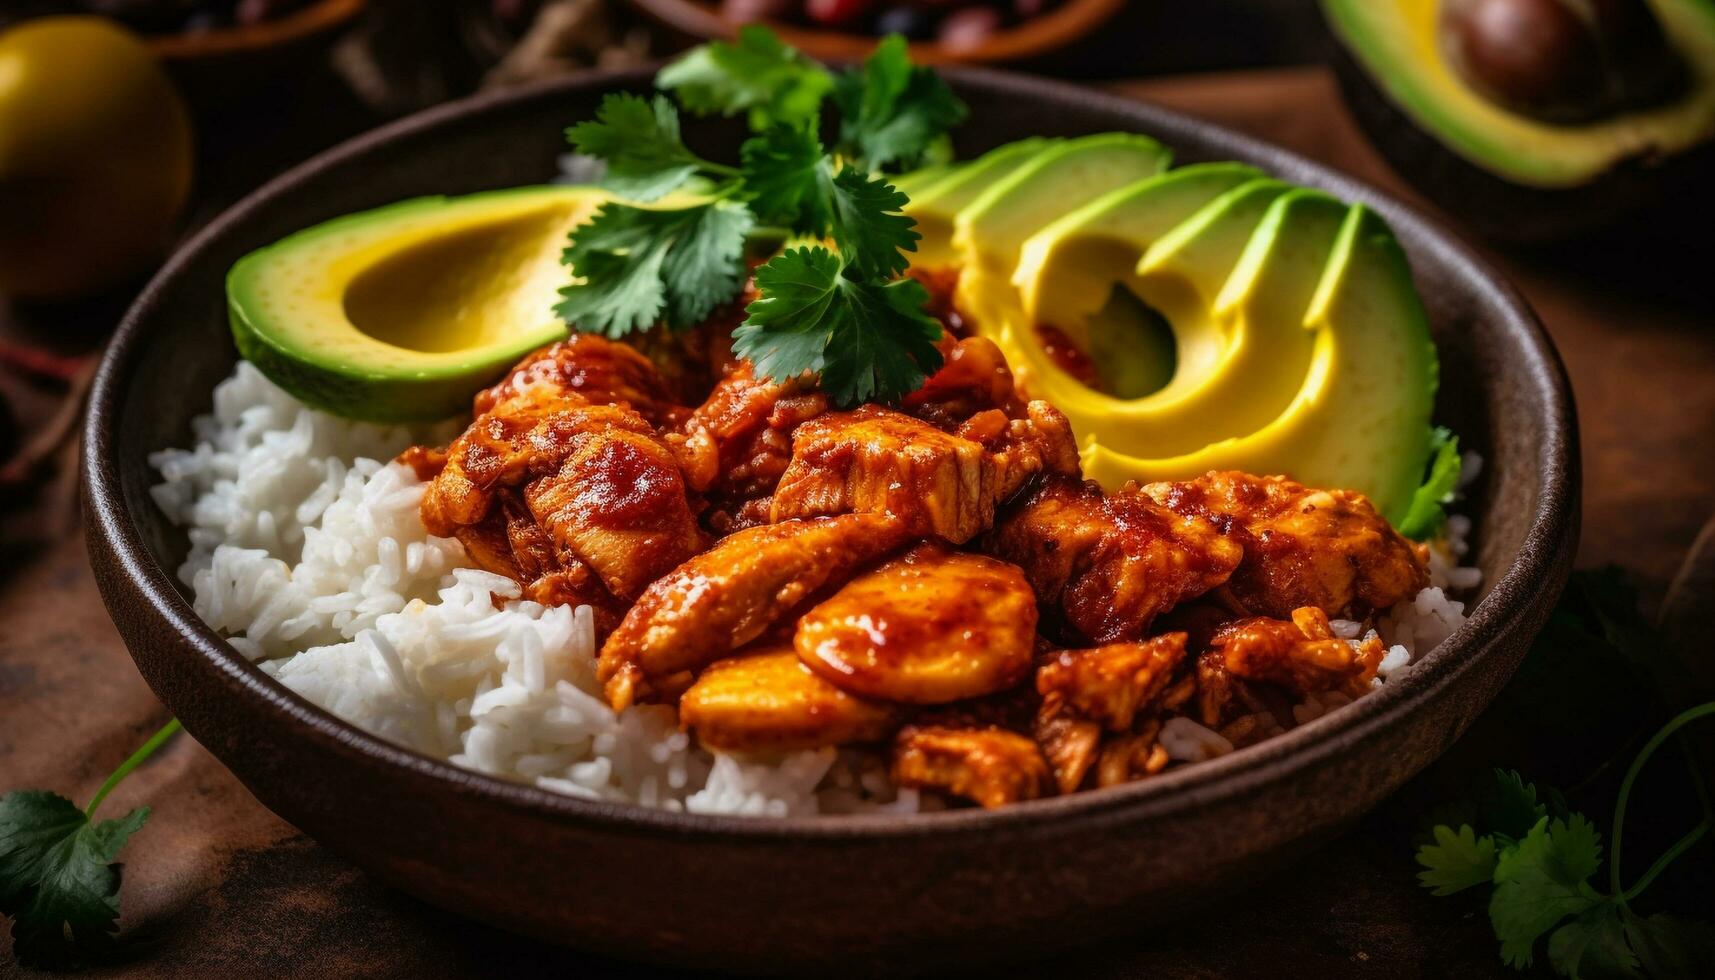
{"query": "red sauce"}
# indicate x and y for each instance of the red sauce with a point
(1066, 355)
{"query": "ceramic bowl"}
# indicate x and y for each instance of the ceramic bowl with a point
(782, 894)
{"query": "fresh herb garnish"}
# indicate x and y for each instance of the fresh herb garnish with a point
(836, 309)
(1539, 856)
(58, 882)
(1427, 512)
(892, 113)
(758, 75)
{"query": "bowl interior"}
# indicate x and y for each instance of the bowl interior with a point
(1502, 388)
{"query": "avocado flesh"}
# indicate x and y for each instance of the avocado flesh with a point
(1065, 269)
(402, 313)
(992, 229)
(935, 204)
(1360, 419)
(1233, 280)
(1396, 45)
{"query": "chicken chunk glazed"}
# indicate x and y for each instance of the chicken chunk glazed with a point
(932, 580)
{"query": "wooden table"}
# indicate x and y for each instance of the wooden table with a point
(216, 885)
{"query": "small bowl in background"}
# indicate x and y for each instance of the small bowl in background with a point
(1055, 28)
(217, 67)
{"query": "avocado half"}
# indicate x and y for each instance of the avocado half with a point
(1512, 177)
(402, 313)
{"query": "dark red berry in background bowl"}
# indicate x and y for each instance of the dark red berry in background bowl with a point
(837, 13)
(969, 27)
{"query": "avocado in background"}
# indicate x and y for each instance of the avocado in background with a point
(399, 314)
(1581, 118)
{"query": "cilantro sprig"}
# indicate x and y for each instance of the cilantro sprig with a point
(58, 882)
(671, 249)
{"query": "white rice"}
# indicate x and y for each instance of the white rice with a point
(308, 553)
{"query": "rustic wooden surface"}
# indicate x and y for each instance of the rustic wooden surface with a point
(218, 886)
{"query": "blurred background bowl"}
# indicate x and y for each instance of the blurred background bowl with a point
(219, 66)
(1055, 27)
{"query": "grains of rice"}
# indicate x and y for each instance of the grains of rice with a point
(308, 554)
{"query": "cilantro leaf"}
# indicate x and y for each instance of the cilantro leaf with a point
(868, 340)
(1427, 511)
(757, 74)
(1593, 945)
(1669, 946)
(1456, 861)
(1510, 808)
(640, 265)
(1542, 880)
(639, 139)
(893, 113)
(870, 226)
(57, 879)
(785, 176)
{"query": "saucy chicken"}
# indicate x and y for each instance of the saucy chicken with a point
(933, 578)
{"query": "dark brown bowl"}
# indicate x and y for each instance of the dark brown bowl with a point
(778, 894)
(217, 68)
(1034, 36)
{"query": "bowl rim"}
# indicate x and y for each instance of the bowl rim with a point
(1546, 548)
(1065, 24)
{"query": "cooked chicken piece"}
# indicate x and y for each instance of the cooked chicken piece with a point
(529, 436)
(1108, 684)
(1108, 565)
(1302, 656)
(587, 369)
(1303, 547)
(989, 765)
(1069, 744)
(931, 626)
(722, 599)
(736, 444)
(1132, 756)
(768, 701)
(565, 487)
(877, 460)
(618, 505)
(974, 378)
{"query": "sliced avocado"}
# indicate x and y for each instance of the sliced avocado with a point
(913, 183)
(1360, 419)
(1511, 173)
(1233, 281)
(990, 231)
(937, 203)
(403, 312)
(1065, 269)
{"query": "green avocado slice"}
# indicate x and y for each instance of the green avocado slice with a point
(1360, 419)
(991, 230)
(402, 313)
(936, 203)
(1397, 45)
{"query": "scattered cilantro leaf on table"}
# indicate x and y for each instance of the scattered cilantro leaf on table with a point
(1542, 884)
(839, 310)
(58, 882)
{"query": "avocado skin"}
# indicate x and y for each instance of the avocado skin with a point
(1505, 211)
(379, 399)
